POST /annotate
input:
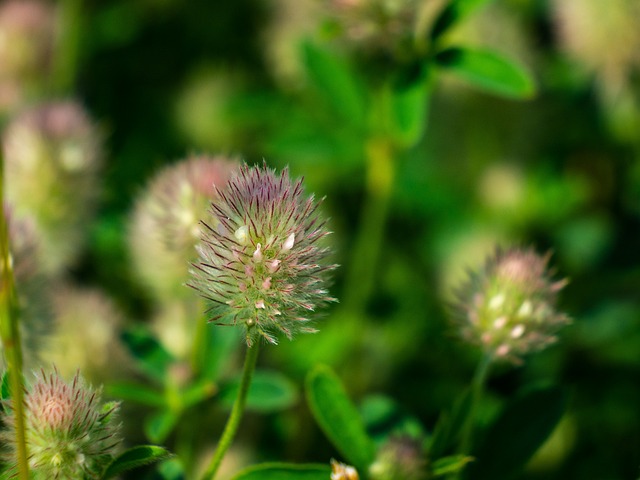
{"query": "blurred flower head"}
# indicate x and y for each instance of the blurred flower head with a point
(31, 287)
(508, 307)
(602, 36)
(26, 44)
(86, 335)
(261, 263)
(69, 432)
(52, 160)
(165, 227)
(400, 458)
(376, 26)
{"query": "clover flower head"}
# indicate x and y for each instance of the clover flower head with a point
(375, 25)
(342, 471)
(165, 227)
(52, 159)
(262, 266)
(69, 433)
(26, 43)
(508, 307)
(399, 458)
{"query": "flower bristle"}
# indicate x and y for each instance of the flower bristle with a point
(263, 265)
(508, 307)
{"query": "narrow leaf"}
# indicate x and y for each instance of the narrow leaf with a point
(284, 471)
(338, 417)
(198, 392)
(159, 425)
(517, 433)
(135, 457)
(335, 81)
(136, 393)
(488, 71)
(150, 355)
(453, 13)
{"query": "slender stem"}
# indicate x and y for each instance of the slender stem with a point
(477, 387)
(66, 61)
(370, 235)
(236, 413)
(10, 332)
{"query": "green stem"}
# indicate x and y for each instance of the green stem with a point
(370, 235)
(10, 332)
(236, 413)
(66, 61)
(477, 387)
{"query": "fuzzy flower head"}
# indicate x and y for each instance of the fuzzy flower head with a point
(52, 161)
(69, 432)
(262, 265)
(508, 307)
(376, 26)
(166, 228)
(400, 458)
(342, 471)
(26, 45)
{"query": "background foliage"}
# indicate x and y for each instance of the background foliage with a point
(560, 171)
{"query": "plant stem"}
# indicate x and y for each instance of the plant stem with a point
(477, 387)
(370, 236)
(236, 413)
(66, 61)
(10, 332)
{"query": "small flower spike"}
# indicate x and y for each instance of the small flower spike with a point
(261, 263)
(69, 432)
(509, 306)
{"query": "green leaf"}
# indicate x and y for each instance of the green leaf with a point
(338, 417)
(135, 457)
(284, 471)
(335, 81)
(138, 393)
(447, 465)
(449, 426)
(150, 355)
(452, 14)
(171, 469)
(159, 425)
(409, 106)
(198, 392)
(517, 433)
(489, 71)
(269, 391)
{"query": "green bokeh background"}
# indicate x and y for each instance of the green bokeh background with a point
(165, 79)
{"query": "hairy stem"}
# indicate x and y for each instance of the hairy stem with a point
(236, 413)
(10, 331)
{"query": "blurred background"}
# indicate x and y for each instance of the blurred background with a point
(164, 79)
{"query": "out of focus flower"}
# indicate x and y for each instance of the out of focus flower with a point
(31, 287)
(602, 36)
(86, 336)
(400, 458)
(376, 26)
(166, 223)
(69, 432)
(261, 265)
(26, 44)
(52, 161)
(508, 306)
